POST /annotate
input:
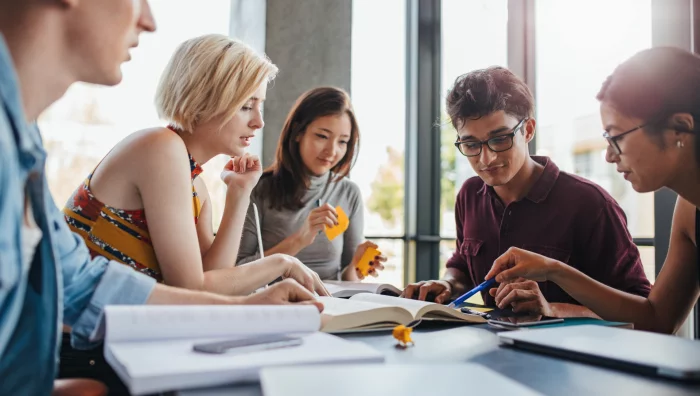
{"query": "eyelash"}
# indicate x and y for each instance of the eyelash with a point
(247, 108)
(326, 137)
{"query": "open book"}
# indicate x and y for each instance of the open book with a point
(151, 347)
(344, 289)
(367, 311)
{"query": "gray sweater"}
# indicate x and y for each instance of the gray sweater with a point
(327, 258)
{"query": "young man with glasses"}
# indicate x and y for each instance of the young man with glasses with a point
(525, 201)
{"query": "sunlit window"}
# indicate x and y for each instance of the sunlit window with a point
(379, 97)
(578, 45)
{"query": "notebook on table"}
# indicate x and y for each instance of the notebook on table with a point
(365, 311)
(631, 350)
(344, 289)
(151, 347)
(394, 379)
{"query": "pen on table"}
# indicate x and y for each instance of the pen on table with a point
(484, 285)
(257, 228)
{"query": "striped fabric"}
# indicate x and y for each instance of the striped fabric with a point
(118, 234)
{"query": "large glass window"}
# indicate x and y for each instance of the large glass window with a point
(89, 120)
(379, 97)
(474, 36)
(578, 45)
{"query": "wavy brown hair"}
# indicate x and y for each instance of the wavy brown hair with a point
(289, 178)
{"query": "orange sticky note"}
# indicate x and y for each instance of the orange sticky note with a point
(367, 257)
(343, 224)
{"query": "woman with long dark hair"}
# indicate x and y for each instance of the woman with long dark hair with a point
(298, 194)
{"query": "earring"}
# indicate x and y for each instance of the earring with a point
(679, 144)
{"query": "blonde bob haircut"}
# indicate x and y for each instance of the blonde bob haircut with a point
(207, 77)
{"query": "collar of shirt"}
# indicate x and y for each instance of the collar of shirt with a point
(540, 190)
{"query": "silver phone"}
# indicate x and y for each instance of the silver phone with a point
(524, 321)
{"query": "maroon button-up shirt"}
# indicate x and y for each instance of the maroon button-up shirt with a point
(564, 217)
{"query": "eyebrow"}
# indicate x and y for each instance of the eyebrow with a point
(490, 134)
(610, 127)
(255, 98)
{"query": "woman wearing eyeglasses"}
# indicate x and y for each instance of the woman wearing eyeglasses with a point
(525, 201)
(649, 108)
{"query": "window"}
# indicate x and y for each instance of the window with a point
(89, 120)
(378, 93)
(474, 36)
(578, 44)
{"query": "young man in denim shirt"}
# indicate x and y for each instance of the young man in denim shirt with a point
(45, 46)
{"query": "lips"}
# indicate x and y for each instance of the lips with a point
(325, 161)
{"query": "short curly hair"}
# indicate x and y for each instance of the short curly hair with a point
(481, 92)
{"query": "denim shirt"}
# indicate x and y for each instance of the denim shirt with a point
(62, 285)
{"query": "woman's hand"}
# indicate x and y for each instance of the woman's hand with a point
(374, 266)
(320, 217)
(242, 173)
(295, 269)
(518, 263)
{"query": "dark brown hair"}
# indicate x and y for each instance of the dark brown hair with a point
(481, 92)
(653, 85)
(289, 178)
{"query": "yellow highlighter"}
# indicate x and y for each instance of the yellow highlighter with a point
(343, 224)
(367, 257)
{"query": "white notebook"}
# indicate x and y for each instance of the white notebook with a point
(150, 347)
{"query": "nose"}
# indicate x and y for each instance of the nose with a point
(257, 122)
(487, 155)
(610, 155)
(146, 21)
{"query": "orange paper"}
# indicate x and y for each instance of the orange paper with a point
(367, 257)
(343, 224)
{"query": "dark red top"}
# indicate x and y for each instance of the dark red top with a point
(565, 217)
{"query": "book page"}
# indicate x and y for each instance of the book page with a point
(420, 309)
(163, 322)
(350, 314)
(412, 306)
(348, 289)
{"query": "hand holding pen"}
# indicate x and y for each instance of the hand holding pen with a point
(320, 217)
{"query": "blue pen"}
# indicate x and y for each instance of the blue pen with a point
(464, 297)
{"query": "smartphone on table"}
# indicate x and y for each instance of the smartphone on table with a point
(523, 321)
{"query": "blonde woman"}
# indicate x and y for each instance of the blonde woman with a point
(143, 204)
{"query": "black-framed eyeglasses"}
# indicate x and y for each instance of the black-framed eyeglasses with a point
(497, 144)
(612, 140)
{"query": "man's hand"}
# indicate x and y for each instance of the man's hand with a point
(523, 296)
(442, 290)
(285, 292)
